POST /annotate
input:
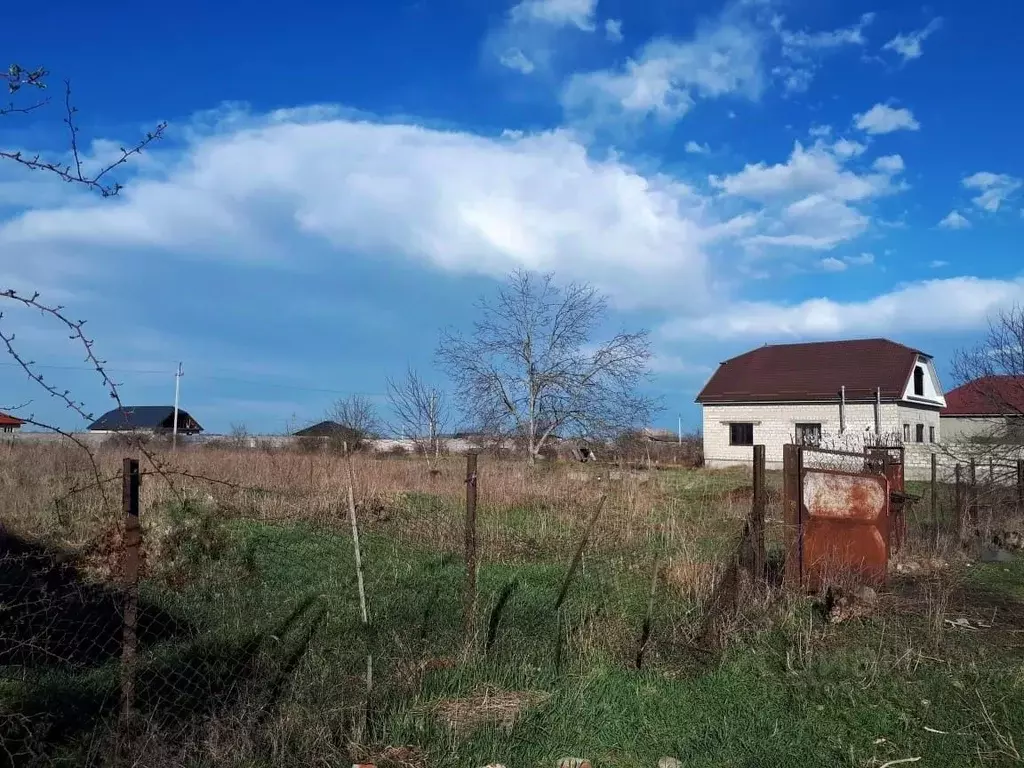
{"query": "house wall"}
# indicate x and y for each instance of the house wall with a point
(775, 424)
(913, 416)
(956, 428)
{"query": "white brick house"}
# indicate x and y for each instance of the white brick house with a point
(837, 392)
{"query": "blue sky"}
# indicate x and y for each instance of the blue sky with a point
(338, 182)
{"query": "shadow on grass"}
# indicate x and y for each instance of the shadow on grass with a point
(60, 643)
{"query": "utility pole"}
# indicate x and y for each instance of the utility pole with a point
(680, 429)
(177, 387)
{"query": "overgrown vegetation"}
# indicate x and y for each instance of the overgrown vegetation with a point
(253, 652)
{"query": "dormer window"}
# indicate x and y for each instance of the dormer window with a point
(919, 381)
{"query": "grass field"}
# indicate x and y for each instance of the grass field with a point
(253, 653)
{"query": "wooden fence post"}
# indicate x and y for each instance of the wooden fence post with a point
(130, 483)
(935, 497)
(1020, 483)
(758, 513)
(469, 597)
(972, 494)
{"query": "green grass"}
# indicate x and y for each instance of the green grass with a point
(275, 634)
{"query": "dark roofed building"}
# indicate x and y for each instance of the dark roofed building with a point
(10, 423)
(158, 419)
(324, 429)
(808, 392)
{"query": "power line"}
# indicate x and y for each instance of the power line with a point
(210, 377)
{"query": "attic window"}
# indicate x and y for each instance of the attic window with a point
(919, 381)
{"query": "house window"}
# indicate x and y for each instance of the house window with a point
(919, 382)
(808, 434)
(741, 434)
(906, 433)
(919, 433)
(931, 434)
(8, 429)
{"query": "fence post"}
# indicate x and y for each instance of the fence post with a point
(935, 497)
(1020, 483)
(758, 513)
(469, 597)
(132, 543)
(792, 470)
(972, 494)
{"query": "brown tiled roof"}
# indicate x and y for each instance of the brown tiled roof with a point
(987, 396)
(813, 371)
(9, 421)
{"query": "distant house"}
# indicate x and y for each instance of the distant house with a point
(157, 419)
(805, 393)
(989, 407)
(10, 423)
(324, 429)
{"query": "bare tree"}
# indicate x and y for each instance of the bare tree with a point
(531, 369)
(993, 373)
(420, 411)
(357, 416)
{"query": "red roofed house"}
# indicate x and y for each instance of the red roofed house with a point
(9, 423)
(783, 393)
(986, 408)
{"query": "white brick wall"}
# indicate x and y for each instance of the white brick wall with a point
(914, 416)
(774, 426)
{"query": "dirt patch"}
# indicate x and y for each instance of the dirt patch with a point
(501, 708)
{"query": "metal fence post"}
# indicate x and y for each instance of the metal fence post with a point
(469, 596)
(132, 544)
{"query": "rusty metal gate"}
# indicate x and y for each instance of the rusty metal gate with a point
(837, 513)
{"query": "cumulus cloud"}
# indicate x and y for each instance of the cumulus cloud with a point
(882, 118)
(994, 189)
(908, 46)
(861, 260)
(693, 148)
(613, 30)
(891, 164)
(848, 148)
(276, 191)
(832, 264)
(515, 59)
(955, 220)
(667, 77)
(954, 304)
(811, 199)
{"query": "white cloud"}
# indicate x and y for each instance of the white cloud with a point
(955, 220)
(862, 260)
(515, 59)
(613, 30)
(693, 148)
(800, 49)
(808, 171)
(938, 264)
(882, 118)
(667, 77)
(891, 164)
(557, 13)
(994, 189)
(820, 131)
(832, 264)
(278, 192)
(848, 148)
(809, 200)
(954, 304)
(909, 46)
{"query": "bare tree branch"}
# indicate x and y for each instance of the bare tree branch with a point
(357, 416)
(531, 369)
(73, 172)
(420, 412)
